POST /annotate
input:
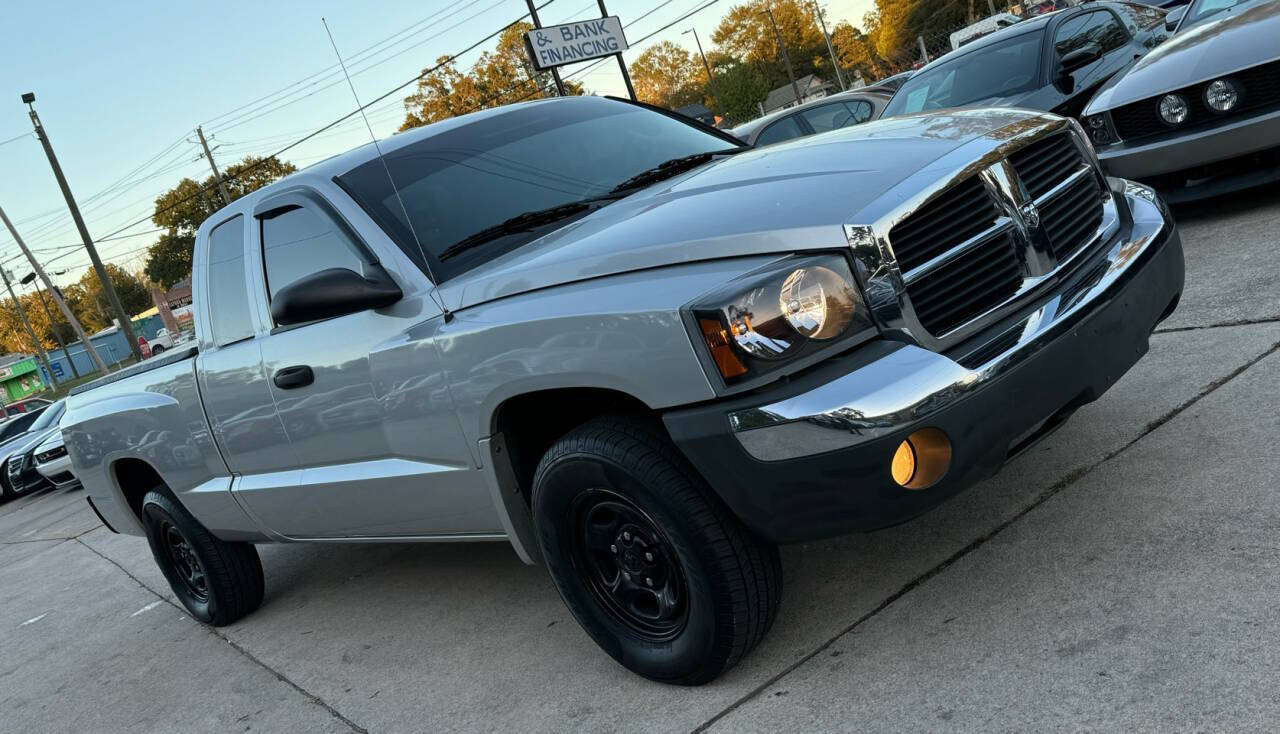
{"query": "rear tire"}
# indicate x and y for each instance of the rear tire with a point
(217, 581)
(647, 558)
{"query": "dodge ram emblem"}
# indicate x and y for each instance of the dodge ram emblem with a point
(1030, 214)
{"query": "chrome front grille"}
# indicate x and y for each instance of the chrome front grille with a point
(996, 233)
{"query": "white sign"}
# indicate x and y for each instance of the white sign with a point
(569, 43)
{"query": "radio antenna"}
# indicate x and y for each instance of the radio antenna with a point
(426, 262)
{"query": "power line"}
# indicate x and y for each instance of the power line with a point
(16, 138)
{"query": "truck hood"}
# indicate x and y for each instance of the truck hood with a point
(780, 199)
(1228, 42)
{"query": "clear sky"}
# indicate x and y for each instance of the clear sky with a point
(120, 88)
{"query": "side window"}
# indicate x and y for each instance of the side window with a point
(228, 306)
(861, 112)
(784, 129)
(1100, 27)
(827, 117)
(300, 240)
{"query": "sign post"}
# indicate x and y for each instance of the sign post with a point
(584, 40)
(537, 25)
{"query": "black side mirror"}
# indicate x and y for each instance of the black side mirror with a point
(1080, 58)
(333, 292)
(1174, 17)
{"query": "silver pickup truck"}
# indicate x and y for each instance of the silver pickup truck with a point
(641, 353)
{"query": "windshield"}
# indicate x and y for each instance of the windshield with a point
(478, 175)
(50, 416)
(999, 70)
(1201, 9)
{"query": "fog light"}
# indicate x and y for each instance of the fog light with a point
(1221, 95)
(1173, 109)
(904, 463)
(922, 459)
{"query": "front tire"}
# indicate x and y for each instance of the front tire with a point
(648, 560)
(217, 581)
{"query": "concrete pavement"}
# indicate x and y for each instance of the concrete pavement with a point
(1086, 586)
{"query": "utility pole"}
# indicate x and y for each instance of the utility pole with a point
(622, 65)
(795, 88)
(44, 358)
(710, 79)
(112, 297)
(830, 49)
(53, 325)
(222, 186)
(57, 295)
(555, 73)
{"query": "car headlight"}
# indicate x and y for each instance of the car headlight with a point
(782, 313)
(1173, 109)
(1099, 131)
(1221, 95)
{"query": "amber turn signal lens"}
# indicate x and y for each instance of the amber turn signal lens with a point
(904, 463)
(921, 459)
(718, 344)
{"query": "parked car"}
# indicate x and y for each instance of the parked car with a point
(1199, 116)
(817, 116)
(973, 32)
(53, 463)
(1196, 12)
(762, 393)
(1051, 62)
(18, 475)
(889, 84)
(20, 407)
(164, 341)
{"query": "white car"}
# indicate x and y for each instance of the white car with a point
(165, 340)
(53, 463)
(982, 28)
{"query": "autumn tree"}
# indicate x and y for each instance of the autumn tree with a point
(13, 336)
(740, 86)
(182, 209)
(501, 76)
(856, 51)
(666, 75)
(746, 34)
(89, 302)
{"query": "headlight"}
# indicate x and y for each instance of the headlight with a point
(1221, 95)
(1173, 109)
(1099, 131)
(771, 317)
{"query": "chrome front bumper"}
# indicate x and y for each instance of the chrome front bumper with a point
(1176, 152)
(910, 384)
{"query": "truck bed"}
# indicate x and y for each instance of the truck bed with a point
(172, 356)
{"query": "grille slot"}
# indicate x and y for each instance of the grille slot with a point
(1042, 165)
(1141, 119)
(1072, 217)
(953, 217)
(968, 286)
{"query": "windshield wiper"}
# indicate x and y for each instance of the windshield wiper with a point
(523, 222)
(670, 168)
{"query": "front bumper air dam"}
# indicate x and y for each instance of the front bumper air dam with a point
(1179, 150)
(810, 458)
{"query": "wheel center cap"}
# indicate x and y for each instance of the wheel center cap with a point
(632, 561)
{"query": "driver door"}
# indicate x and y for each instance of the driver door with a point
(1099, 26)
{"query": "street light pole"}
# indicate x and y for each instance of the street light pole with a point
(795, 88)
(113, 298)
(830, 49)
(53, 325)
(711, 80)
(57, 295)
(44, 358)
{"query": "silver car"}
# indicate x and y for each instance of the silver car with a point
(53, 463)
(818, 116)
(1199, 115)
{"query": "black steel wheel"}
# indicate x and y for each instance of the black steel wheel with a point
(647, 558)
(217, 581)
(628, 564)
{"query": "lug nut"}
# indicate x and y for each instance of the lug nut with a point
(626, 536)
(613, 549)
(626, 575)
(648, 581)
(648, 556)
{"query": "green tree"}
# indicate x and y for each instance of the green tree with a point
(746, 34)
(742, 87)
(182, 209)
(499, 77)
(666, 75)
(89, 302)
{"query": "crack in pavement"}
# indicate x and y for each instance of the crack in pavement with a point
(1067, 480)
(234, 645)
(1220, 325)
